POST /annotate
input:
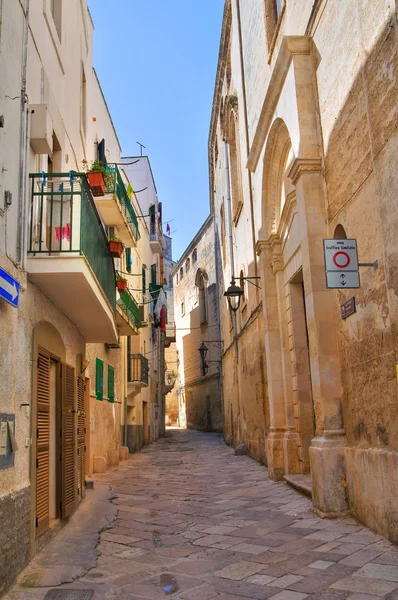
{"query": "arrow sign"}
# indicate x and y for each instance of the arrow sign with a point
(9, 288)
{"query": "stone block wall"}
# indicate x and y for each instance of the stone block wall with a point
(14, 535)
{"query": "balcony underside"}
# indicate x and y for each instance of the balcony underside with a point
(71, 285)
(125, 325)
(156, 246)
(112, 215)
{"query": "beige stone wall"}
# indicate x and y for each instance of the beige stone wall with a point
(105, 416)
(321, 133)
(192, 388)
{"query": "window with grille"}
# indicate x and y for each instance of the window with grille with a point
(99, 378)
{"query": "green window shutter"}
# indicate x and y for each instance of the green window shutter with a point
(99, 378)
(111, 384)
(143, 280)
(128, 260)
(153, 274)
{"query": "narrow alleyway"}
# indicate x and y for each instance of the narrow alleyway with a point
(188, 519)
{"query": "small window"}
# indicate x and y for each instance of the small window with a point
(242, 287)
(111, 384)
(177, 279)
(273, 12)
(201, 279)
(181, 273)
(144, 280)
(194, 256)
(56, 11)
(182, 309)
(187, 265)
(99, 379)
(339, 233)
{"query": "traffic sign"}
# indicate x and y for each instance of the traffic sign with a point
(341, 255)
(347, 279)
(9, 288)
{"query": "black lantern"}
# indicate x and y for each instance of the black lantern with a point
(203, 353)
(234, 294)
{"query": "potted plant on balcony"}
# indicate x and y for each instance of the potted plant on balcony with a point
(116, 247)
(121, 283)
(96, 176)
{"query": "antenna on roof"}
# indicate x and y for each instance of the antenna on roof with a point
(141, 146)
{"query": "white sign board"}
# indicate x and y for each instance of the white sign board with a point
(349, 279)
(341, 264)
(341, 255)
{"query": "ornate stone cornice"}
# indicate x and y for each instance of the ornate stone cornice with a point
(274, 247)
(302, 166)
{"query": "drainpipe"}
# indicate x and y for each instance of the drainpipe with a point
(231, 246)
(242, 69)
(221, 387)
(230, 235)
(22, 159)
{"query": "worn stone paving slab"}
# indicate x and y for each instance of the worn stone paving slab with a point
(187, 519)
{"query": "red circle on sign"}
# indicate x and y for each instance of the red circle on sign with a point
(346, 262)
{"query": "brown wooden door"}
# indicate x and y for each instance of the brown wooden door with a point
(81, 438)
(43, 443)
(68, 441)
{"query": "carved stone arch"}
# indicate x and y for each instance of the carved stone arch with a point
(201, 277)
(276, 154)
(201, 280)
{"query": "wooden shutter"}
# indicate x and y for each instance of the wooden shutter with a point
(81, 438)
(153, 274)
(43, 443)
(99, 378)
(68, 442)
(111, 384)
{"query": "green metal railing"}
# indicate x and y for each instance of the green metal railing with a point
(130, 307)
(64, 220)
(114, 185)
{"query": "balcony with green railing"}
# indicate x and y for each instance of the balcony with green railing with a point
(116, 208)
(128, 314)
(68, 253)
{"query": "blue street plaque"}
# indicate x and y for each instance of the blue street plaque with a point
(9, 288)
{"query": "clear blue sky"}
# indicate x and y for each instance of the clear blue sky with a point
(156, 61)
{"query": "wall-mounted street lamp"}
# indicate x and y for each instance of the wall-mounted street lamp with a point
(203, 350)
(234, 293)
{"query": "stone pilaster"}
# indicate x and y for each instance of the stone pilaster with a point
(327, 448)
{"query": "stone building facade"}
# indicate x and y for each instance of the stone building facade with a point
(303, 146)
(63, 348)
(196, 318)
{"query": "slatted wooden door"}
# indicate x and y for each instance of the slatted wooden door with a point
(43, 443)
(68, 441)
(81, 438)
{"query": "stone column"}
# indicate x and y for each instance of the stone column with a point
(275, 375)
(327, 449)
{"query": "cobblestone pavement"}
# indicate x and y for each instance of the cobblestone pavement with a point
(196, 522)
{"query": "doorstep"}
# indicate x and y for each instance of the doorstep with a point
(302, 483)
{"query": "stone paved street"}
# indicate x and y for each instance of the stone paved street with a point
(195, 522)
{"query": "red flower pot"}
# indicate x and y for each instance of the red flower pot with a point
(116, 248)
(97, 183)
(121, 285)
